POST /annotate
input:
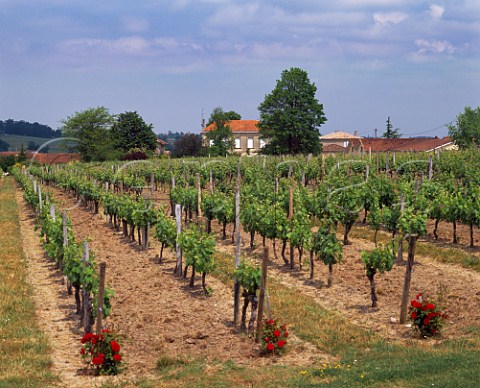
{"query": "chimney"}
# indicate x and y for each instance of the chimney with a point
(376, 130)
(355, 133)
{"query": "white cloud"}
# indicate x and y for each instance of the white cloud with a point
(434, 46)
(436, 11)
(387, 18)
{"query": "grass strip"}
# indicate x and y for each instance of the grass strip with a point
(449, 255)
(24, 351)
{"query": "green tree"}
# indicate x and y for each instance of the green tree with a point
(91, 129)
(391, 133)
(129, 131)
(291, 115)
(188, 144)
(466, 131)
(220, 137)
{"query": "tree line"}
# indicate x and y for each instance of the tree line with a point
(24, 128)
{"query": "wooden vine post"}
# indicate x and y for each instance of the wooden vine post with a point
(40, 202)
(65, 244)
(178, 250)
(101, 292)
(412, 240)
(290, 217)
(87, 323)
(261, 296)
(152, 183)
(199, 199)
(400, 240)
(238, 242)
(52, 213)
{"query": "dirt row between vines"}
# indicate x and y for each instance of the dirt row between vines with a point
(156, 313)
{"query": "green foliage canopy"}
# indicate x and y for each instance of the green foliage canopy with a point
(291, 115)
(129, 131)
(466, 132)
(91, 128)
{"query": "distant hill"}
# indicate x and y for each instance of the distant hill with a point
(24, 128)
(32, 143)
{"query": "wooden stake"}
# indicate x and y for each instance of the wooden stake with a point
(290, 217)
(199, 198)
(101, 292)
(261, 296)
(412, 240)
(87, 324)
(236, 284)
(178, 219)
(52, 213)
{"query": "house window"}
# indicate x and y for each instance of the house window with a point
(262, 143)
(237, 142)
(250, 142)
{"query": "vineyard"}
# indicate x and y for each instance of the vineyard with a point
(345, 245)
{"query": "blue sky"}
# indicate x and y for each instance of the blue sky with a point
(413, 60)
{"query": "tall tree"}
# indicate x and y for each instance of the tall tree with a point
(220, 137)
(391, 133)
(91, 129)
(291, 115)
(466, 132)
(189, 144)
(130, 131)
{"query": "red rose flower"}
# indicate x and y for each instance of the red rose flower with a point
(267, 339)
(414, 315)
(419, 295)
(86, 338)
(105, 331)
(270, 346)
(117, 357)
(285, 334)
(426, 321)
(281, 344)
(429, 306)
(277, 333)
(431, 315)
(416, 304)
(115, 346)
(82, 351)
(98, 360)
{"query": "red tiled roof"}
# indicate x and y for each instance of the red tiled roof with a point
(333, 148)
(237, 126)
(46, 158)
(161, 142)
(55, 158)
(404, 144)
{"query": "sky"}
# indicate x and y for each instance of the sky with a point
(172, 61)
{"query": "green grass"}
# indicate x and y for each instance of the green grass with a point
(24, 351)
(450, 255)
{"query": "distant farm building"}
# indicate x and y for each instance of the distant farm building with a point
(246, 135)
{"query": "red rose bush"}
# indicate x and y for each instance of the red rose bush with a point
(101, 352)
(274, 337)
(426, 316)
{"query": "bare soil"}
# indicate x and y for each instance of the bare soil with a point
(155, 313)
